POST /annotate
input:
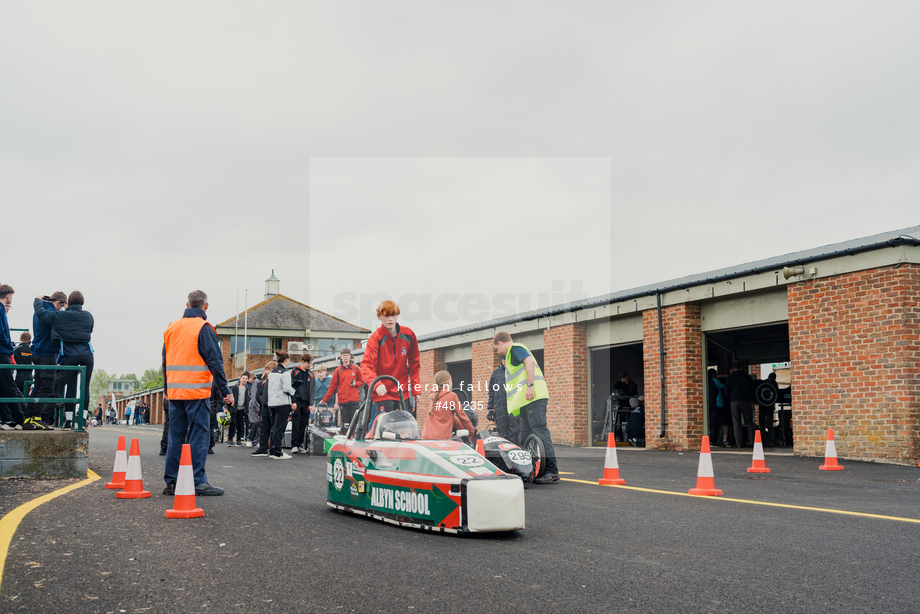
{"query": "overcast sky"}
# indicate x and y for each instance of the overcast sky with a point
(466, 158)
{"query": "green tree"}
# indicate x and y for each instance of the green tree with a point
(99, 384)
(151, 379)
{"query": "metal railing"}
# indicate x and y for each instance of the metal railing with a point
(59, 414)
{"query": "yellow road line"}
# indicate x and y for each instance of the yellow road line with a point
(766, 503)
(10, 522)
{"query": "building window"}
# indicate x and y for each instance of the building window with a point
(257, 345)
(330, 347)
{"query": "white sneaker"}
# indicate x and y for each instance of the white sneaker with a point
(248, 444)
(18, 427)
(282, 456)
(303, 450)
(5, 427)
(295, 450)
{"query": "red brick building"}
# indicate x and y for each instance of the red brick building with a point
(843, 319)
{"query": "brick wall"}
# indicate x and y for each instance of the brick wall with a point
(484, 362)
(854, 343)
(255, 362)
(225, 352)
(565, 356)
(430, 362)
(683, 377)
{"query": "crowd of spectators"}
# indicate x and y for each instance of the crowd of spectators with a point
(61, 335)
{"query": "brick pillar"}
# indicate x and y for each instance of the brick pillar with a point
(225, 352)
(484, 362)
(854, 344)
(683, 367)
(430, 362)
(565, 356)
(156, 408)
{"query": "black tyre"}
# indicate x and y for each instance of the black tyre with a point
(766, 395)
(534, 445)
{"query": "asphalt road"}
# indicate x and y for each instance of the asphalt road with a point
(270, 544)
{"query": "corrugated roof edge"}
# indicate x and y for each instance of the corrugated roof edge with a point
(879, 241)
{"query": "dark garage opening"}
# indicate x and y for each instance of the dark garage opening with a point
(605, 364)
(755, 346)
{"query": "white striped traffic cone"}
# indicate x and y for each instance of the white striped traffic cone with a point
(184, 502)
(134, 481)
(121, 465)
(705, 479)
(758, 464)
(830, 454)
(611, 467)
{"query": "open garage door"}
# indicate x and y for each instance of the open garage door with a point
(759, 348)
(605, 365)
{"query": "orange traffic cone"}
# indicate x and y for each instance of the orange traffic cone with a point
(705, 480)
(121, 465)
(758, 465)
(830, 454)
(134, 482)
(184, 502)
(611, 467)
(481, 447)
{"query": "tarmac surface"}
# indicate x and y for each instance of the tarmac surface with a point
(780, 541)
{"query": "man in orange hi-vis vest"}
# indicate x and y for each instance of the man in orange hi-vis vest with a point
(191, 361)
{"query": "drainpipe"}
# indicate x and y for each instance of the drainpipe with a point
(661, 363)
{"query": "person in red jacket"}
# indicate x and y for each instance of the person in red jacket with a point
(391, 350)
(345, 386)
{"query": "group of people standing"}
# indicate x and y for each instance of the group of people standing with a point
(731, 407)
(195, 383)
(62, 336)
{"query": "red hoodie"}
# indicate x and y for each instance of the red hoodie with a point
(396, 356)
(341, 384)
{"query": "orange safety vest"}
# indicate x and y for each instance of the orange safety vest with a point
(187, 375)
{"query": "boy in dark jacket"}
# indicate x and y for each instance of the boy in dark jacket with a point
(23, 358)
(240, 410)
(506, 425)
(10, 413)
(302, 381)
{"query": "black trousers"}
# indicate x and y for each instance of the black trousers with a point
(348, 412)
(265, 429)
(766, 425)
(508, 426)
(43, 389)
(280, 414)
(300, 420)
(237, 428)
(164, 440)
(10, 413)
(68, 379)
(533, 420)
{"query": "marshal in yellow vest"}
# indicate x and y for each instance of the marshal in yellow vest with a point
(516, 382)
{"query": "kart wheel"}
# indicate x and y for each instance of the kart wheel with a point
(534, 445)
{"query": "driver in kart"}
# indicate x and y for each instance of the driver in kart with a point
(391, 350)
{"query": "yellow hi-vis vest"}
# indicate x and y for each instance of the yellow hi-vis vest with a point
(516, 383)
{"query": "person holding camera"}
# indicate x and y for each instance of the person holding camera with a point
(345, 387)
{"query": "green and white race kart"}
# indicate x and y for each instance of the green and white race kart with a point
(384, 471)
